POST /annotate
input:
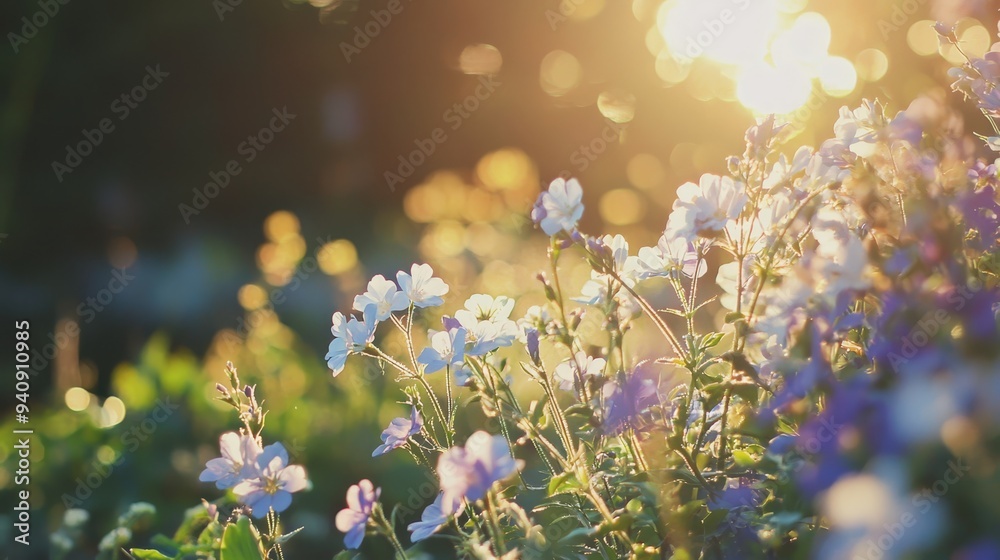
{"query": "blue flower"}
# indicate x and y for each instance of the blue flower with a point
(469, 472)
(352, 520)
(273, 484)
(351, 336)
(432, 519)
(398, 432)
(239, 453)
(384, 295)
(446, 349)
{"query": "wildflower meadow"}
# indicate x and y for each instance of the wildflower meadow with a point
(802, 363)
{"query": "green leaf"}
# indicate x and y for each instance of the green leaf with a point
(241, 542)
(712, 340)
(563, 482)
(743, 458)
(148, 554)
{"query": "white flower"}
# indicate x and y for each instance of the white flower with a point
(236, 464)
(565, 373)
(669, 255)
(560, 208)
(351, 336)
(446, 349)
(705, 209)
(840, 262)
(728, 278)
(384, 295)
(421, 287)
(484, 307)
(783, 170)
(487, 322)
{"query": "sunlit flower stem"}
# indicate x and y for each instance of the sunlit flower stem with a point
(493, 524)
(383, 526)
(408, 373)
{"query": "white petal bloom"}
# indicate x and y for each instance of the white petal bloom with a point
(350, 336)
(669, 254)
(559, 208)
(566, 373)
(384, 295)
(421, 287)
(447, 349)
(705, 209)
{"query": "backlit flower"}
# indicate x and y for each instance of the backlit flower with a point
(351, 336)
(353, 519)
(273, 483)
(559, 208)
(421, 286)
(384, 295)
(399, 430)
(469, 472)
(238, 456)
(447, 349)
(705, 209)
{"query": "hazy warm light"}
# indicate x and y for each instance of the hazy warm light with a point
(617, 106)
(871, 65)
(645, 171)
(280, 225)
(505, 169)
(337, 257)
(112, 413)
(621, 207)
(480, 59)
(766, 89)
(922, 38)
(805, 43)
(77, 399)
(252, 296)
(974, 39)
(560, 73)
(722, 30)
(837, 76)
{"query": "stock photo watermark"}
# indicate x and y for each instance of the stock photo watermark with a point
(31, 25)
(121, 107)
(249, 149)
(131, 440)
(365, 34)
(902, 12)
(454, 117)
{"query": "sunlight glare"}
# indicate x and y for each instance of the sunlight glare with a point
(727, 31)
(767, 89)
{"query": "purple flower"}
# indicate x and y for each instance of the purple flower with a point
(432, 519)
(236, 464)
(469, 472)
(352, 520)
(273, 483)
(398, 432)
(626, 401)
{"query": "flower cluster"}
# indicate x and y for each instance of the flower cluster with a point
(259, 476)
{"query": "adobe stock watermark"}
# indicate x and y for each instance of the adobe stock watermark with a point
(131, 439)
(563, 12)
(710, 31)
(86, 311)
(31, 25)
(277, 296)
(454, 117)
(589, 152)
(902, 12)
(249, 149)
(921, 503)
(121, 107)
(223, 7)
(365, 34)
